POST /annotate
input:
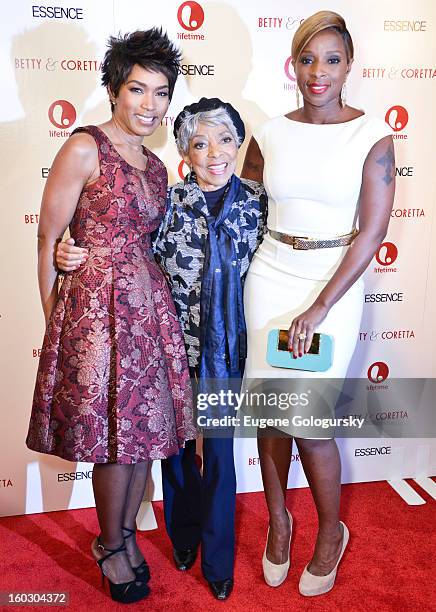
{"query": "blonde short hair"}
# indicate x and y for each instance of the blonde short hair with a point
(323, 20)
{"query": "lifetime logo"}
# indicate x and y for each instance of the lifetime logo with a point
(386, 256)
(397, 118)
(289, 69)
(378, 372)
(183, 170)
(190, 16)
(62, 114)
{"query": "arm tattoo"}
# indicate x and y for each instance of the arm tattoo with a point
(388, 161)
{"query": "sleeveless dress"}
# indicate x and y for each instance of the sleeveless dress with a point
(113, 381)
(313, 176)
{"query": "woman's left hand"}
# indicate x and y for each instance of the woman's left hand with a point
(303, 327)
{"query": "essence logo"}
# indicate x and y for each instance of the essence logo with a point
(75, 476)
(183, 170)
(397, 118)
(386, 256)
(191, 17)
(371, 452)
(62, 115)
(197, 70)
(384, 297)
(404, 171)
(378, 372)
(405, 26)
(56, 12)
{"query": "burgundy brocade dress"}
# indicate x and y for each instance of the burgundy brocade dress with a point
(113, 382)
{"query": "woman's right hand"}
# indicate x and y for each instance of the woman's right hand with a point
(70, 257)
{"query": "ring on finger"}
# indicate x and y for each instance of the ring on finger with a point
(302, 336)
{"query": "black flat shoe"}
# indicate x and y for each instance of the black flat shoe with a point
(142, 571)
(221, 589)
(125, 592)
(184, 559)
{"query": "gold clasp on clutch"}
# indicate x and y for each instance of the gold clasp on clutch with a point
(282, 342)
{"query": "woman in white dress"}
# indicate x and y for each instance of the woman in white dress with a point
(328, 169)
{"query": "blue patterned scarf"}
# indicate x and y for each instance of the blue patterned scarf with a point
(223, 336)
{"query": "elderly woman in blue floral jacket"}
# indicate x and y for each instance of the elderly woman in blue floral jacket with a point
(212, 227)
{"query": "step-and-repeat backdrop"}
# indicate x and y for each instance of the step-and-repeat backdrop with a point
(238, 50)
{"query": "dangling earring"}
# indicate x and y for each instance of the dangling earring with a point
(297, 95)
(343, 94)
(192, 174)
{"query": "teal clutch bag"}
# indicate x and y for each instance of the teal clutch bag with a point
(318, 359)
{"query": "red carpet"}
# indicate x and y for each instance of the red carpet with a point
(388, 564)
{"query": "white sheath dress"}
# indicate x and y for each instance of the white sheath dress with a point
(313, 176)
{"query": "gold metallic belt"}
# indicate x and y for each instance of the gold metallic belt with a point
(303, 243)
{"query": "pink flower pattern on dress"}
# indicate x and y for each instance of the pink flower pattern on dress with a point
(113, 381)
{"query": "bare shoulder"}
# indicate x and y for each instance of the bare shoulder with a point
(379, 165)
(81, 146)
(381, 153)
(78, 154)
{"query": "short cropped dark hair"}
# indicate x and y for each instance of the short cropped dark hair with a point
(151, 49)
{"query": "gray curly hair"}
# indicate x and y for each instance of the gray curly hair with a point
(189, 127)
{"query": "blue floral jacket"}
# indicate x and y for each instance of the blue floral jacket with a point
(179, 246)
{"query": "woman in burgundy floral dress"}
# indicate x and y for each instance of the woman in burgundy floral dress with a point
(113, 383)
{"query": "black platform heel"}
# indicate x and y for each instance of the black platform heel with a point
(125, 592)
(143, 570)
